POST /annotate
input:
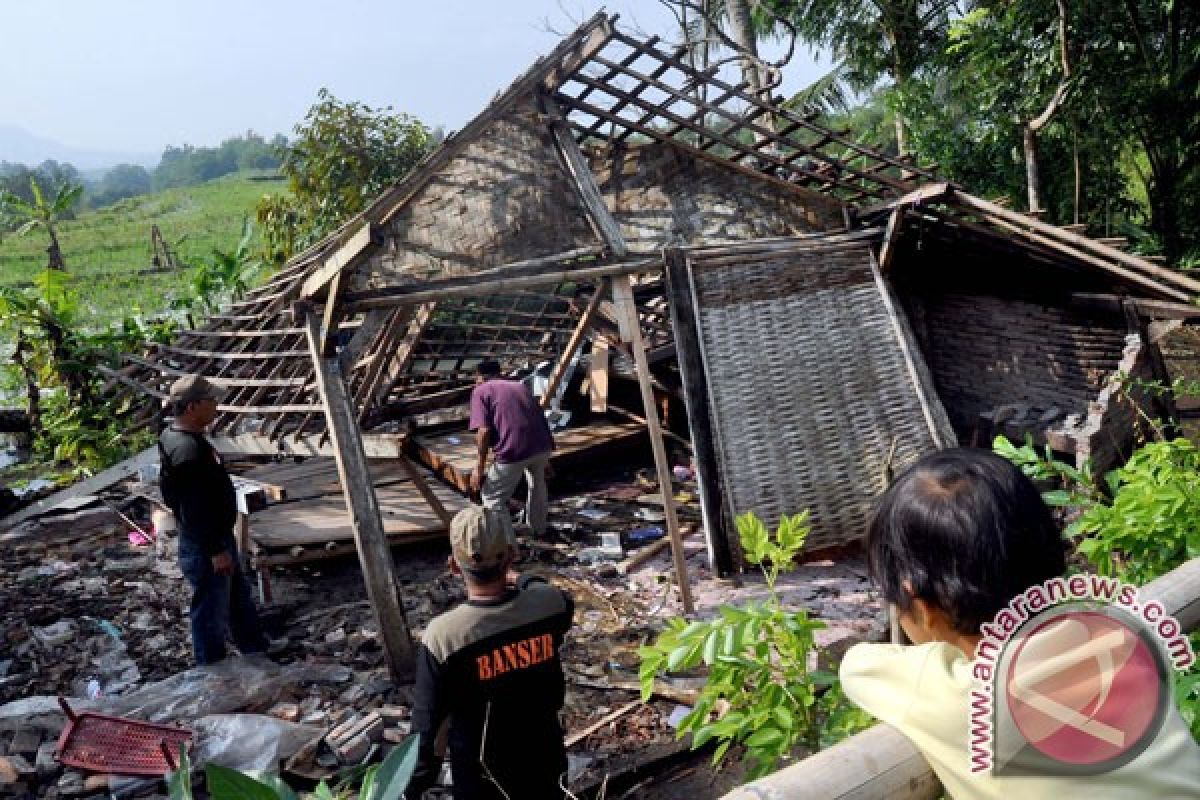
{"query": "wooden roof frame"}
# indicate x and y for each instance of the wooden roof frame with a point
(600, 87)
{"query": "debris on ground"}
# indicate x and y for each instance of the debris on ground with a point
(91, 616)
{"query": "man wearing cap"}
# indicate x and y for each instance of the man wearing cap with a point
(197, 489)
(491, 666)
(508, 421)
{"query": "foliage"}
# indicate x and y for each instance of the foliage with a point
(189, 166)
(110, 248)
(344, 154)
(15, 179)
(224, 275)
(385, 781)
(123, 180)
(42, 212)
(1147, 523)
(760, 690)
(1151, 525)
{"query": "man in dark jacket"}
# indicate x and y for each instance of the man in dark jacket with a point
(491, 666)
(197, 489)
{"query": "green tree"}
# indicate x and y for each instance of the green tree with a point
(42, 213)
(343, 155)
(123, 180)
(873, 39)
(1144, 62)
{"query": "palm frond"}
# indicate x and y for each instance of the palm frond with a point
(828, 94)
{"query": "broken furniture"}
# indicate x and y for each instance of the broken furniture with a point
(104, 743)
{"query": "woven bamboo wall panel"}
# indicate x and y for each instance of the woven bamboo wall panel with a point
(1016, 352)
(503, 199)
(664, 197)
(810, 387)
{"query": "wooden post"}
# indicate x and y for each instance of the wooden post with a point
(374, 555)
(623, 295)
(721, 554)
(598, 376)
(573, 344)
(887, 251)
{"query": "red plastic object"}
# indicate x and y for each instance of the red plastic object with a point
(116, 745)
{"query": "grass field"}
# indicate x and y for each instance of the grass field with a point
(107, 248)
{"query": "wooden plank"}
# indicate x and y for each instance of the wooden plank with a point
(165, 370)
(623, 296)
(598, 376)
(1078, 243)
(1151, 309)
(351, 253)
(221, 355)
(98, 482)
(380, 445)
(585, 184)
(1025, 232)
(723, 557)
(931, 414)
(427, 493)
(574, 343)
(495, 283)
(887, 250)
(329, 318)
(882, 762)
(374, 556)
(397, 366)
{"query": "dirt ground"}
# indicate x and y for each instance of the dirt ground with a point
(90, 613)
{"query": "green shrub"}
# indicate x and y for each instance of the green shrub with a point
(385, 781)
(762, 690)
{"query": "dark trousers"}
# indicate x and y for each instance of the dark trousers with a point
(221, 604)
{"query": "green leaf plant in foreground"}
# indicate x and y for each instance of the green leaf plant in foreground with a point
(385, 781)
(763, 689)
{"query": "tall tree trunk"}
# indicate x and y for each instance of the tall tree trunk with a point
(1030, 128)
(901, 136)
(1029, 146)
(1078, 195)
(741, 30)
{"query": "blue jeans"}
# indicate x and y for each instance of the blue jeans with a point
(221, 604)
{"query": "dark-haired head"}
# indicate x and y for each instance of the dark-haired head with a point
(964, 531)
(488, 369)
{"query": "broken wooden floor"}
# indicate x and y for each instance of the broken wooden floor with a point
(452, 454)
(312, 522)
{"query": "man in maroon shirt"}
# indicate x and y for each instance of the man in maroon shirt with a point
(508, 421)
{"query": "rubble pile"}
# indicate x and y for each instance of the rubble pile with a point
(87, 614)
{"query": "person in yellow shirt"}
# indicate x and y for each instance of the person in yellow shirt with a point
(953, 541)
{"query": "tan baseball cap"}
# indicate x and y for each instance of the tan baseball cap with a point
(479, 538)
(192, 388)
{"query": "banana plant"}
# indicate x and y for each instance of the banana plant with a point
(43, 213)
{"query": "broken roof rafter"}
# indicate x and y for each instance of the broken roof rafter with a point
(649, 67)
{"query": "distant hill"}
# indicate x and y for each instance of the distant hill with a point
(109, 249)
(19, 146)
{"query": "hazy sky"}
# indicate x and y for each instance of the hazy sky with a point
(135, 75)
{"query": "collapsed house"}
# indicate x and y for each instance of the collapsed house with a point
(810, 314)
